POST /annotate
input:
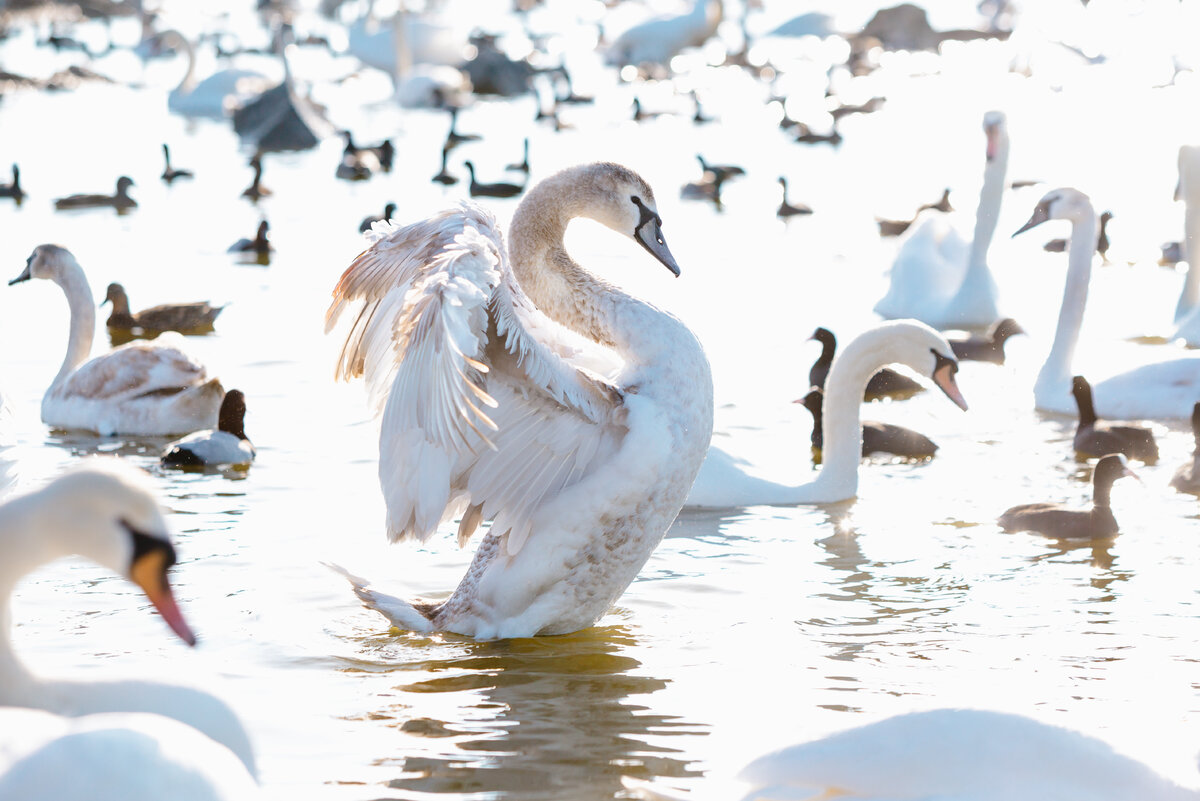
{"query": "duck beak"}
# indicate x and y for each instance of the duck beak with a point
(149, 572)
(1040, 214)
(649, 235)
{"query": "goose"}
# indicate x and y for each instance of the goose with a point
(256, 190)
(876, 437)
(942, 204)
(444, 177)
(523, 164)
(1187, 310)
(141, 389)
(988, 347)
(723, 483)
(936, 277)
(1187, 477)
(453, 137)
(227, 445)
(121, 201)
(1158, 390)
(788, 210)
(388, 211)
(499, 189)
(104, 510)
(721, 171)
(707, 188)
(656, 41)
(520, 388)
(886, 383)
(13, 189)
(1094, 437)
(897, 227)
(806, 135)
(169, 173)
(182, 317)
(1058, 521)
(215, 96)
(260, 247)
(961, 754)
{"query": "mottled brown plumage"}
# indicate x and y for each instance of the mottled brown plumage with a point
(183, 317)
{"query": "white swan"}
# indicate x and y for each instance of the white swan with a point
(1187, 310)
(419, 40)
(1166, 389)
(960, 754)
(215, 96)
(723, 481)
(493, 406)
(937, 277)
(143, 388)
(103, 510)
(658, 40)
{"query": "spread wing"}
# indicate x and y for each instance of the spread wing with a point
(483, 406)
(136, 369)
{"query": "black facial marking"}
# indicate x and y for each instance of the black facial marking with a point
(145, 543)
(941, 361)
(646, 217)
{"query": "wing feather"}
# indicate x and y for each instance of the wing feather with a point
(136, 369)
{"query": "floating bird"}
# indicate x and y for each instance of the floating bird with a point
(499, 189)
(227, 445)
(69, 740)
(652, 44)
(723, 481)
(876, 437)
(1094, 437)
(523, 165)
(443, 177)
(1058, 521)
(988, 347)
(787, 210)
(183, 317)
(1187, 477)
(121, 201)
(484, 402)
(358, 163)
(722, 172)
(367, 222)
(13, 189)
(259, 245)
(1060, 245)
(806, 135)
(256, 190)
(169, 173)
(215, 96)
(143, 388)
(453, 137)
(886, 383)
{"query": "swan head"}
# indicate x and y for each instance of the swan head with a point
(1060, 204)
(106, 510)
(46, 261)
(622, 200)
(996, 130)
(908, 342)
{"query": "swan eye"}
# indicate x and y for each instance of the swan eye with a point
(941, 361)
(646, 216)
(144, 544)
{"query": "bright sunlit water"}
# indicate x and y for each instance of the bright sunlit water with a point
(747, 629)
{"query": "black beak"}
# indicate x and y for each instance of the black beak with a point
(1040, 214)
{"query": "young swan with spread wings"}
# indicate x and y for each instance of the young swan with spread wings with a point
(520, 388)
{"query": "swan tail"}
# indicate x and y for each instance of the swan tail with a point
(400, 613)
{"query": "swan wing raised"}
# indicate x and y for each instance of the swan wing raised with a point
(134, 370)
(482, 407)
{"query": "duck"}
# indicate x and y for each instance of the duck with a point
(523, 164)
(182, 317)
(217, 94)
(260, 247)
(724, 483)
(1187, 477)
(1154, 391)
(886, 383)
(121, 201)
(987, 347)
(227, 445)
(876, 437)
(105, 510)
(141, 389)
(1094, 437)
(708, 187)
(523, 389)
(444, 177)
(944, 753)
(936, 276)
(367, 222)
(897, 227)
(13, 189)
(722, 171)
(788, 210)
(1061, 522)
(499, 189)
(807, 136)
(1187, 309)
(255, 191)
(384, 152)
(358, 163)
(169, 173)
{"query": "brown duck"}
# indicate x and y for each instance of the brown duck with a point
(186, 318)
(1056, 520)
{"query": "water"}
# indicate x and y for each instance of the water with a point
(747, 629)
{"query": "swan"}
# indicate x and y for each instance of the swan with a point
(724, 483)
(504, 397)
(227, 445)
(936, 277)
(104, 510)
(1166, 389)
(1187, 310)
(960, 754)
(215, 96)
(657, 41)
(143, 388)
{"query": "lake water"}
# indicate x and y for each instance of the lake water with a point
(748, 628)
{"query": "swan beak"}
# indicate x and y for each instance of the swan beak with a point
(25, 275)
(649, 235)
(1040, 214)
(944, 378)
(149, 572)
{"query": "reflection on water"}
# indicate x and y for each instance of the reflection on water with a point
(549, 718)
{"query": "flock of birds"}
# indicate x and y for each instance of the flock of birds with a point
(517, 388)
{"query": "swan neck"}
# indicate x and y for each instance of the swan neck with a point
(83, 319)
(1056, 372)
(1190, 297)
(841, 414)
(987, 215)
(189, 76)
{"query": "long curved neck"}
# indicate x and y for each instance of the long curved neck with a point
(189, 77)
(1189, 298)
(83, 320)
(1056, 372)
(988, 212)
